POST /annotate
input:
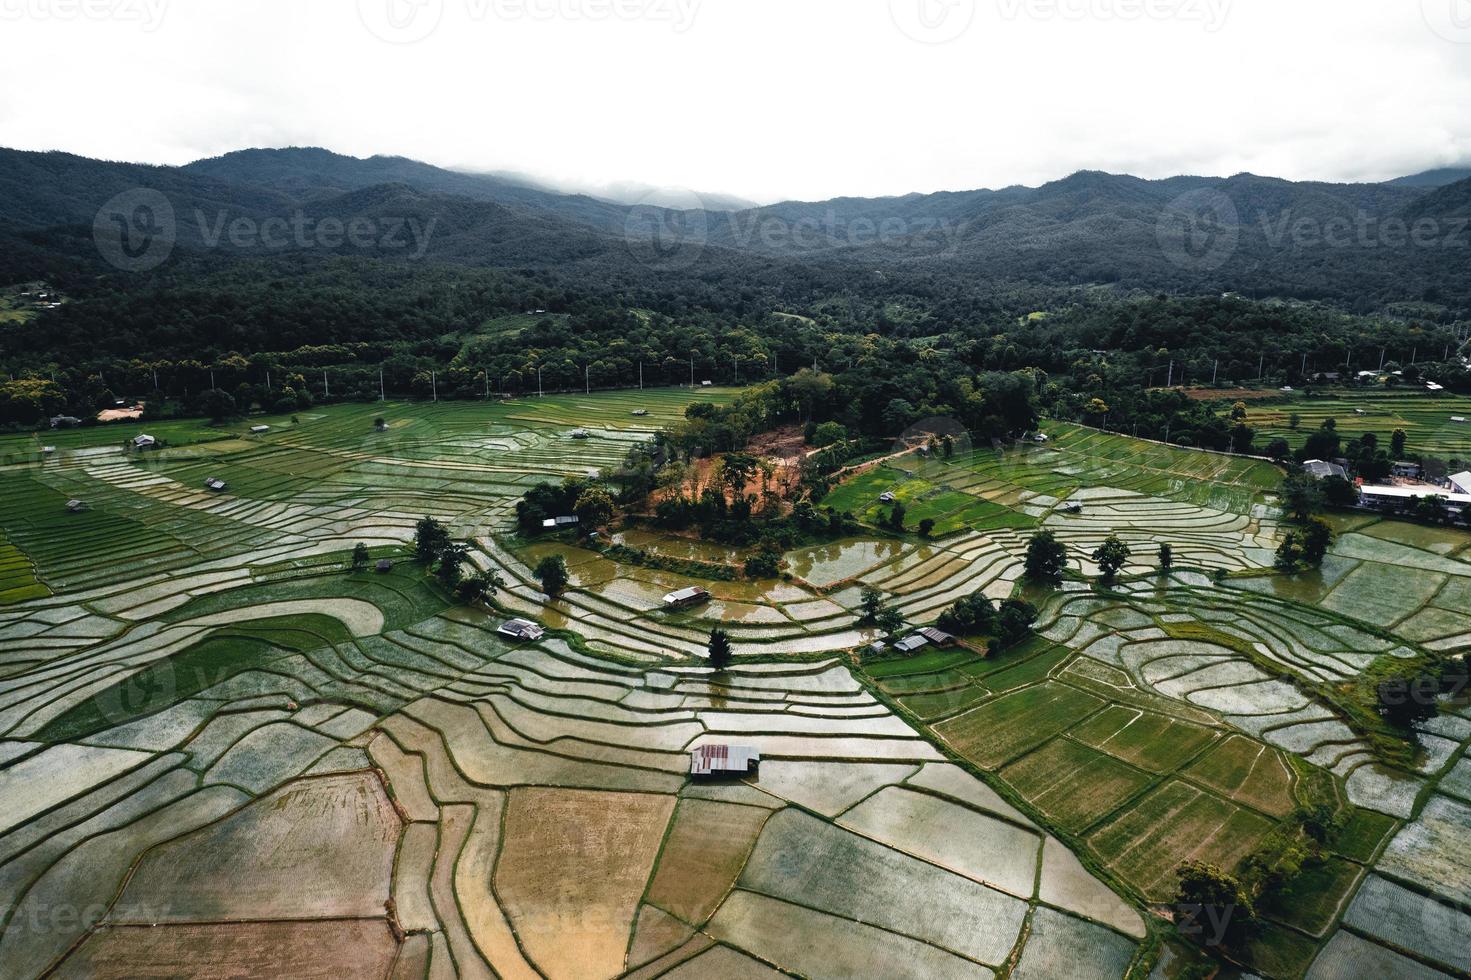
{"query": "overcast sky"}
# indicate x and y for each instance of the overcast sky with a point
(767, 99)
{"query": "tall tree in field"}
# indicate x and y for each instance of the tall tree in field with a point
(1166, 558)
(451, 558)
(594, 507)
(1111, 557)
(720, 651)
(552, 574)
(360, 557)
(430, 537)
(1046, 557)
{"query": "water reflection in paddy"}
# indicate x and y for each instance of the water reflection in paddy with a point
(829, 564)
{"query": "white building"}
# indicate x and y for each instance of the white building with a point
(1321, 470)
(724, 760)
(522, 630)
(1461, 483)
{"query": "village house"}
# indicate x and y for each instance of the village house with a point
(1403, 498)
(556, 523)
(145, 442)
(1406, 471)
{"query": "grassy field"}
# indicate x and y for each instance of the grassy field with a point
(197, 697)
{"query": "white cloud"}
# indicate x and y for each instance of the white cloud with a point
(761, 98)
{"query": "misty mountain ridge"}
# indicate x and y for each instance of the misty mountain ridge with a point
(1088, 227)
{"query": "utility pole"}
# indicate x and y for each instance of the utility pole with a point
(587, 380)
(1304, 371)
(692, 371)
(211, 379)
(268, 379)
(434, 384)
(1383, 351)
(326, 391)
(640, 375)
(1215, 372)
(540, 392)
(1170, 381)
(738, 368)
(1261, 368)
(487, 385)
(1415, 357)
(382, 391)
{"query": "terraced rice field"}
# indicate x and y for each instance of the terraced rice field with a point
(222, 753)
(1428, 420)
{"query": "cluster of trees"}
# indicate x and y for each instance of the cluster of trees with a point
(435, 548)
(1305, 546)
(582, 497)
(977, 615)
(878, 611)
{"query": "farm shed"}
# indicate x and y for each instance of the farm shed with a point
(714, 761)
(913, 644)
(144, 442)
(685, 598)
(521, 630)
(260, 429)
(552, 523)
(938, 637)
(384, 566)
(1320, 470)
(218, 486)
(75, 506)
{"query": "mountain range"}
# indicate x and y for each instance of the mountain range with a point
(1344, 243)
